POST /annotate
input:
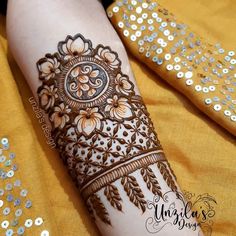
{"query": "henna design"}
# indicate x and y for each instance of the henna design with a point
(151, 181)
(100, 125)
(99, 208)
(133, 191)
(167, 176)
(113, 196)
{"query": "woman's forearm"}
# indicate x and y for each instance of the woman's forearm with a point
(79, 71)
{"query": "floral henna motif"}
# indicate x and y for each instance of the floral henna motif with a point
(101, 127)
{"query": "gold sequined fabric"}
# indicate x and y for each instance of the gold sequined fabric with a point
(202, 71)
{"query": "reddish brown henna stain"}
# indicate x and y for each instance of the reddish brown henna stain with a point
(101, 127)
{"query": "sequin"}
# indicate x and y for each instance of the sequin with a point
(144, 15)
(158, 19)
(21, 230)
(18, 212)
(227, 58)
(23, 192)
(38, 221)
(6, 211)
(148, 54)
(225, 71)
(28, 204)
(154, 15)
(139, 10)
(208, 101)
(180, 75)
(177, 59)
(1, 192)
(10, 173)
(150, 21)
(189, 82)
(205, 90)
(188, 75)
(28, 223)
(5, 224)
(132, 17)
(12, 155)
(10, 198)
(138, 33)
(14, 167)
(44, 233)
(140, 20)
(160, 40)
(169, 67)
(144, 5)
(4, 141)
(110, 14)
(233, 118)
(8, 187)
(17, 202)
(170, 37)
(1, 203)
(154, 59)
(141, 49)
(227, 113)
(177, 67)
(115, 9)
(212, 88)
(9, 232)
(167, 56)
(221, 50)
(2, 159)
(121, 24)
(140, 42)
(126, 33)
(217, 107)
(7, 163)
(166, 32)
(164, 44)
(233, 61)
(133, 37)
(231, 53)
(159, 50)
(159, 61)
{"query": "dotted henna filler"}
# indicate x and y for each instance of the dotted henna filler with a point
(100, 125)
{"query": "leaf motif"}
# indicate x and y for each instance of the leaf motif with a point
(127, 126)
(113, 196)
(99, 208)
(133, 191)
(151, 181)
(133, 137)
(115, 129)
(167, 176)
(172, 172)
(121, 140)
(90, 210)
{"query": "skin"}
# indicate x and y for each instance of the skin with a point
(34, 28)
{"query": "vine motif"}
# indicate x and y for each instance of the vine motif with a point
(134, 191)
(99, 208)
(113, 196)
(167, 176)
(151, 181)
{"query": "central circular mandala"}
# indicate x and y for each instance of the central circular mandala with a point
(85, 82)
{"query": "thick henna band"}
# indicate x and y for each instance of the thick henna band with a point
(101, 126)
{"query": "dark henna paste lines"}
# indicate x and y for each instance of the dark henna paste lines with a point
(102, 128)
